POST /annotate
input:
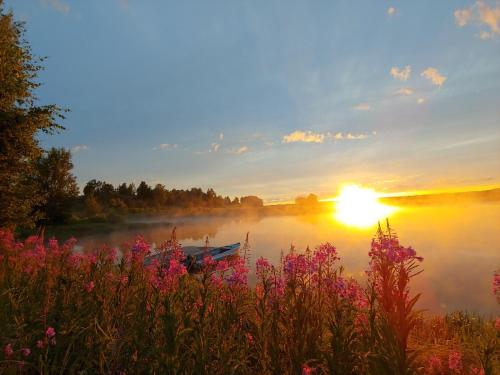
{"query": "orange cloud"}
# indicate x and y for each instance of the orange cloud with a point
(402, 74)
(301, 136)
(434, 76)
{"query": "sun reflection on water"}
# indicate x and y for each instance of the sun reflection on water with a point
(360, 207)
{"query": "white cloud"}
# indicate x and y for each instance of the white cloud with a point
(463, 16)
(362, 107)
(391, 11)
(221, 136)
(350, 136)
(239, 151)
(405, 91)
(434, 76)
(301, 136)
(421, 100)
(402, 74)
(215, 147)
(58, 5)
(481, 14)
(76, 149)
(166, 146)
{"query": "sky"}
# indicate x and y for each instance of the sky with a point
(273, 98)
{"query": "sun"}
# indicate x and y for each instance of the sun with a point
(360, 207)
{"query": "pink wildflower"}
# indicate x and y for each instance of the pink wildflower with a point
(39, 344)
(435, 365)
(306, 370)
(26, 352)
(455, 362)
(8, 350)
(250, 339)
(208, 261)
(477, 371)
(51, 332)
(89, 287)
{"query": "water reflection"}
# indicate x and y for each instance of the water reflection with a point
(460, 245)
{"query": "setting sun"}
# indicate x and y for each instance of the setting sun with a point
(359, 207)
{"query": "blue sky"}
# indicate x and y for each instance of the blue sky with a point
(275, 98)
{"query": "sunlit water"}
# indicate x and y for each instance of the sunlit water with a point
(460, 245)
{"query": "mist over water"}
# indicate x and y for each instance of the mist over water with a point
(460, 245)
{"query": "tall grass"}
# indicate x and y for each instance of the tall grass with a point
(102, 312)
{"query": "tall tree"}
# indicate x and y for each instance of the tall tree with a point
(21, 120)
(56, 182)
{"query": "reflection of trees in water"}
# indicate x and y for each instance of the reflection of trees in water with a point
(188, 229)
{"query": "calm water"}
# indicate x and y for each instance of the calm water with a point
(460, 245)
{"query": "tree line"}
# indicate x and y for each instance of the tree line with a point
(101, 196)
(36, 185)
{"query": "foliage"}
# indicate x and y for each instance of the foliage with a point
(56, 182)
(127, 196)
(104, 311)
(21, 119)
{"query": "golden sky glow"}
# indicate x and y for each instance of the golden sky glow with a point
(359, 207)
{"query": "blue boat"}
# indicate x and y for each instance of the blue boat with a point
(195, 255)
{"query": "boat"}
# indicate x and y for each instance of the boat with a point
(195, 254)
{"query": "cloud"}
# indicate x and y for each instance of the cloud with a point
(301, 136)
(76, 149)
(405, 91)
(421, 100)
(489, 16)
(166, 146)
(349, 136)
(215, 147)
(391, 11)
(362, 107)
(221, 136)
(433, 75)
(482, 14)
(309, 137)
(239, 151)
(463, 16)
(401, 74)
(58, 5)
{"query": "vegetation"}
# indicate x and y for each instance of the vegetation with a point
(103, 312)
(21, 119)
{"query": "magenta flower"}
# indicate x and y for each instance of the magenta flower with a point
(26, 352)
(51, 332)
(39, 344)
(435, 365)
(8, 350)
(89, 287)
(455, 362)
(306, 370)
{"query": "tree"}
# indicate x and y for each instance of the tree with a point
(57, 184)
(144, 192)
(251, 201)
(21, 120)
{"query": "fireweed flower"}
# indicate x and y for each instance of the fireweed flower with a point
(306, 370)
(50, 333)
(477, 371)
(239, 276)
(89, 287)
(435, 365)
(26, 352)
(8, 350)
(455, 362)
(39, 344)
